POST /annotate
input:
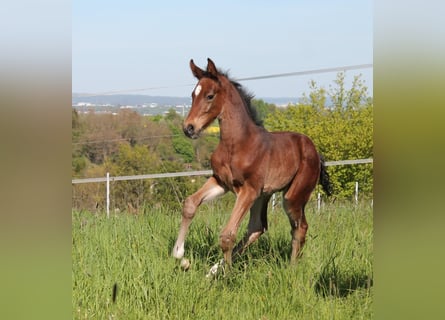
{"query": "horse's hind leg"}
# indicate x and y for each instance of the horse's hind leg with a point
(299, 228)
(294, 202)
(257, 225)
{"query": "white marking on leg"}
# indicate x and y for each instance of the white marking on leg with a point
(213, 193)
(198, 89)
(254, 237)
(178, 250)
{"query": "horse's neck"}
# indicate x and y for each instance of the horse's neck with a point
(236, 126)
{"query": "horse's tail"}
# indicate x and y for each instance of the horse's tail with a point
(324, 178)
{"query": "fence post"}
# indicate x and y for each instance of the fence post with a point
(318, 201)
(108, 194)
(356, 192)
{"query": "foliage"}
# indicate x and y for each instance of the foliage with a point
(341, 131)
(333, 279)
(90, 196)
(132, 161)
(263, 108)
(129, 144)
(204, 147)
(182, 145)
(79, 161)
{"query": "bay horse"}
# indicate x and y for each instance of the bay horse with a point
(250, 162)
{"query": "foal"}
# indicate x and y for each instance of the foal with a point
(250, 162)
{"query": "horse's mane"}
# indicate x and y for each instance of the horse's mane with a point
(247, 99)
(245, 96)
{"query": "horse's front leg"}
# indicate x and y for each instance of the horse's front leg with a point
(209, 191)
(244, 201)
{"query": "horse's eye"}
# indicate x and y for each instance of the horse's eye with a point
(210, 97)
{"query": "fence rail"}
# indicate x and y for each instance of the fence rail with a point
(145, 176)
(193, 173)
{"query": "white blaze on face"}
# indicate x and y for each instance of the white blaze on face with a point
(197, 89)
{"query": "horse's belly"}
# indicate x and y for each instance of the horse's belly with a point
(280, 169)
(277, 182)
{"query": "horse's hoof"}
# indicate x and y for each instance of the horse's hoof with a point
(185, 264)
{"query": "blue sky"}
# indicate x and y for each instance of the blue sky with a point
(126, 45)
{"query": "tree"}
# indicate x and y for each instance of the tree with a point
(263, 108)
(181, 144)
(101, 137)
(341, 131)
(79, 162)
(132, 161)
(184, 148)
(130, 126)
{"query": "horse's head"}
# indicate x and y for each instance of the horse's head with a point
(206, 100)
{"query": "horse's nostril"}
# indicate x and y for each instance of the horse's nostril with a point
(189, 130)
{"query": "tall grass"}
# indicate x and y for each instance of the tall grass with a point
(333, 279)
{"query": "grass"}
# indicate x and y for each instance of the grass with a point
(333, 279)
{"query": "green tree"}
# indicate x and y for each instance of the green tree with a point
(204, 148)
(341, 131)
(183, 146)
(263, 108)
(132, 195)
(132, 161)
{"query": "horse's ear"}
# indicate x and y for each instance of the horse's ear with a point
(197, 72)
(211, 68)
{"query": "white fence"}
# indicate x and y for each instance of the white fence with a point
(107, 179)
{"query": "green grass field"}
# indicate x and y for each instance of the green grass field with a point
(333, 279)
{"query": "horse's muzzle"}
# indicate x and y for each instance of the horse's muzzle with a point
(190, 132)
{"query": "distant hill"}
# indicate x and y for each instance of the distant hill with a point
(134, 100)
(129, 99)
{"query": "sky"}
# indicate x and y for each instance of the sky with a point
(124, 46)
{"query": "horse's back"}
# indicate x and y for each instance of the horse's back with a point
(293, 143)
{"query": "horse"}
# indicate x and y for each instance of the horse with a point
(250, 162)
